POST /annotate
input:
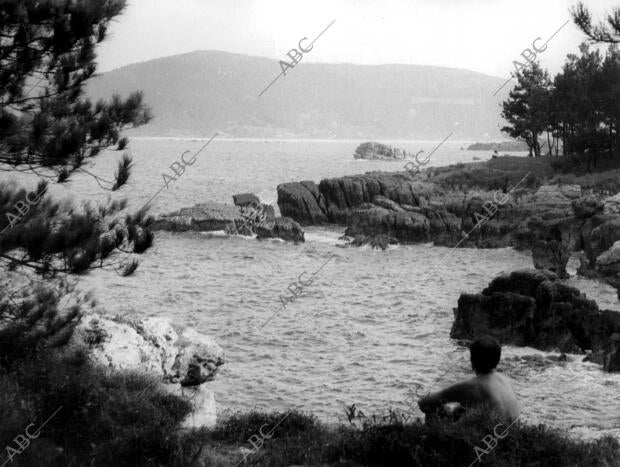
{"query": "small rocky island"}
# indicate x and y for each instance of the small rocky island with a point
(378, 151)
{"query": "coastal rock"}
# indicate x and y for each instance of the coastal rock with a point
(251, 216)
(379, 242)
(152, 346)
(609, 261)
(387, 203)
(203, 217)
(533, 308)
(611, 205)
(282, 227)
(377, 151)
(302, 202)
(246, 199)
(408, 226)
(601, 237)
(445, 213)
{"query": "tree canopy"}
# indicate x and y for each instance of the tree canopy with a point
(49, 131)
(579, 110)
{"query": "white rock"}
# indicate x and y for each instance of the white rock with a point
(160, 332)
(116, 345)
(152, 346)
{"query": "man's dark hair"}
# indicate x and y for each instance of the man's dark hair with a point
(485, 353)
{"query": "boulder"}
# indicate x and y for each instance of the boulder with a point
(246, 199)
(152, 346)
(282, 227)
(202, 217)
(533, 308)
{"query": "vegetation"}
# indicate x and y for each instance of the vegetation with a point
(579, 109)
(394, 440)
(499, 146)
(100, 418)
(49, 131)
(505, 172)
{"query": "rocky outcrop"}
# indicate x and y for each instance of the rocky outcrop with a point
(180, 361)
(281, 227)
(533, 308)
(247, 217)
(377, 151)
(411, 210)
(203, 217)
(252, 215)
(302, 202)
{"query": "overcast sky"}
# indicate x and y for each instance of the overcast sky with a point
(479, 35)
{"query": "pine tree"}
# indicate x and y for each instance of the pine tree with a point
(50, 130)
(527, 107)
(601, 32)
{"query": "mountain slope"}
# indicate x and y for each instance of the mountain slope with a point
(198, 93)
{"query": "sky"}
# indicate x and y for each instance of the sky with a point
(479, 35)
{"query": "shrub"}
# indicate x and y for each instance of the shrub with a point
(393, 440)
(105, 418)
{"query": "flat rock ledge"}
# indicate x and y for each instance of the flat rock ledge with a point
(248, 216)
(181, 360)
(534, 308)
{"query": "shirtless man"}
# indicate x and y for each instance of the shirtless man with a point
(487, 389)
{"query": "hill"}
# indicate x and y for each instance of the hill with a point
(198, 93)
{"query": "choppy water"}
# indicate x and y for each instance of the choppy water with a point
(370, 326)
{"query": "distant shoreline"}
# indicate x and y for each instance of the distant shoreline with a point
(298, 140)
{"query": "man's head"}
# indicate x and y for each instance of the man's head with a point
(485, 353)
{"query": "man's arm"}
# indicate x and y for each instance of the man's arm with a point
(464, 393)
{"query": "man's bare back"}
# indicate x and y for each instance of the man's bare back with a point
(488, 388)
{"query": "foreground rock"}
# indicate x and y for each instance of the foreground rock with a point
(533, 308)
(180, 361)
